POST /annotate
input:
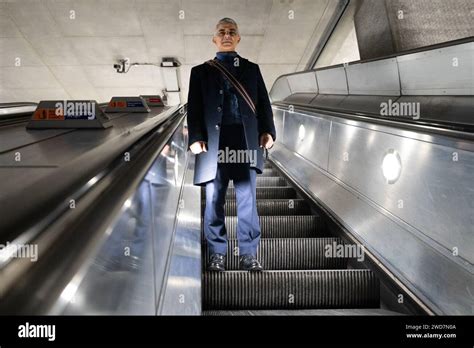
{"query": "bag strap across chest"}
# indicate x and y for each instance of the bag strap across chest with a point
(236, 83)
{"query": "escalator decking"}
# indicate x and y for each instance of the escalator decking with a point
(297, 274)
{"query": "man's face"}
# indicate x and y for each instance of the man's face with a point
(226, 37)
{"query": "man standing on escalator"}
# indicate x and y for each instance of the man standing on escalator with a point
(225, 114)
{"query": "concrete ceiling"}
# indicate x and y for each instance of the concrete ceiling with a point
(65, 49)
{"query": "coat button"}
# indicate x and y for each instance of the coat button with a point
(219, 109)
(217, 127)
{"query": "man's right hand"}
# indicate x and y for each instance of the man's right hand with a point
(198, 147)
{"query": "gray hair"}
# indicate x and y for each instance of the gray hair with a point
(227, 20)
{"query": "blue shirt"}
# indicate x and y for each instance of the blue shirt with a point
(230, 109)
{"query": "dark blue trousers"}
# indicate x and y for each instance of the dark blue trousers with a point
(244, 178)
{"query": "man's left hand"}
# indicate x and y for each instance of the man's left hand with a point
(266, 141)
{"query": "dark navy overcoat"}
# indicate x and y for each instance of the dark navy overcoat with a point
(204, 114)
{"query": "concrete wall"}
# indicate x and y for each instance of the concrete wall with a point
(391, 26)
(373, 30)
(342, 46)
(65, 49)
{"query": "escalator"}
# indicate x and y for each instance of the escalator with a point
(298, 278)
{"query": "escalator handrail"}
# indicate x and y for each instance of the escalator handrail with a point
(16, 110)
(16, 104)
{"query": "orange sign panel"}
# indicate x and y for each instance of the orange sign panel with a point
(47, 114)
(118, 104)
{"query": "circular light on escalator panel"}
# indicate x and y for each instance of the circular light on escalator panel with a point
(391, 166)
(301, 132)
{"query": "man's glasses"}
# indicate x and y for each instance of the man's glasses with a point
(222, 33)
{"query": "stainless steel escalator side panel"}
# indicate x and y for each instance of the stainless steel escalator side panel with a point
(434, 193)
(182, 293)
(437, 71)
(170, 182)
(308, 135)
(127, 274)
(332, 81)
(411, 225)
(360, 78)
(437, 168)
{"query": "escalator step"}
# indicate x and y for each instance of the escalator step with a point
(282, 192)
(266, 181)
(267, 164)
(290, 289)
(301, 312)
(271, 207)
(269, 172)
(297, 226)
(288, 254)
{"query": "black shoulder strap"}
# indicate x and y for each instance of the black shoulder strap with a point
(238, 86)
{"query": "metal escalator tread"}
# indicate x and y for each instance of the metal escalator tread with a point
(296, 226)
(299, 312)
(267, 181)
(308, 289)
(272, 207)
(269, 172)
(267, 164)
(277, 206)
(264, 192)
(297, 274)
(288, 254)
(268, 192)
